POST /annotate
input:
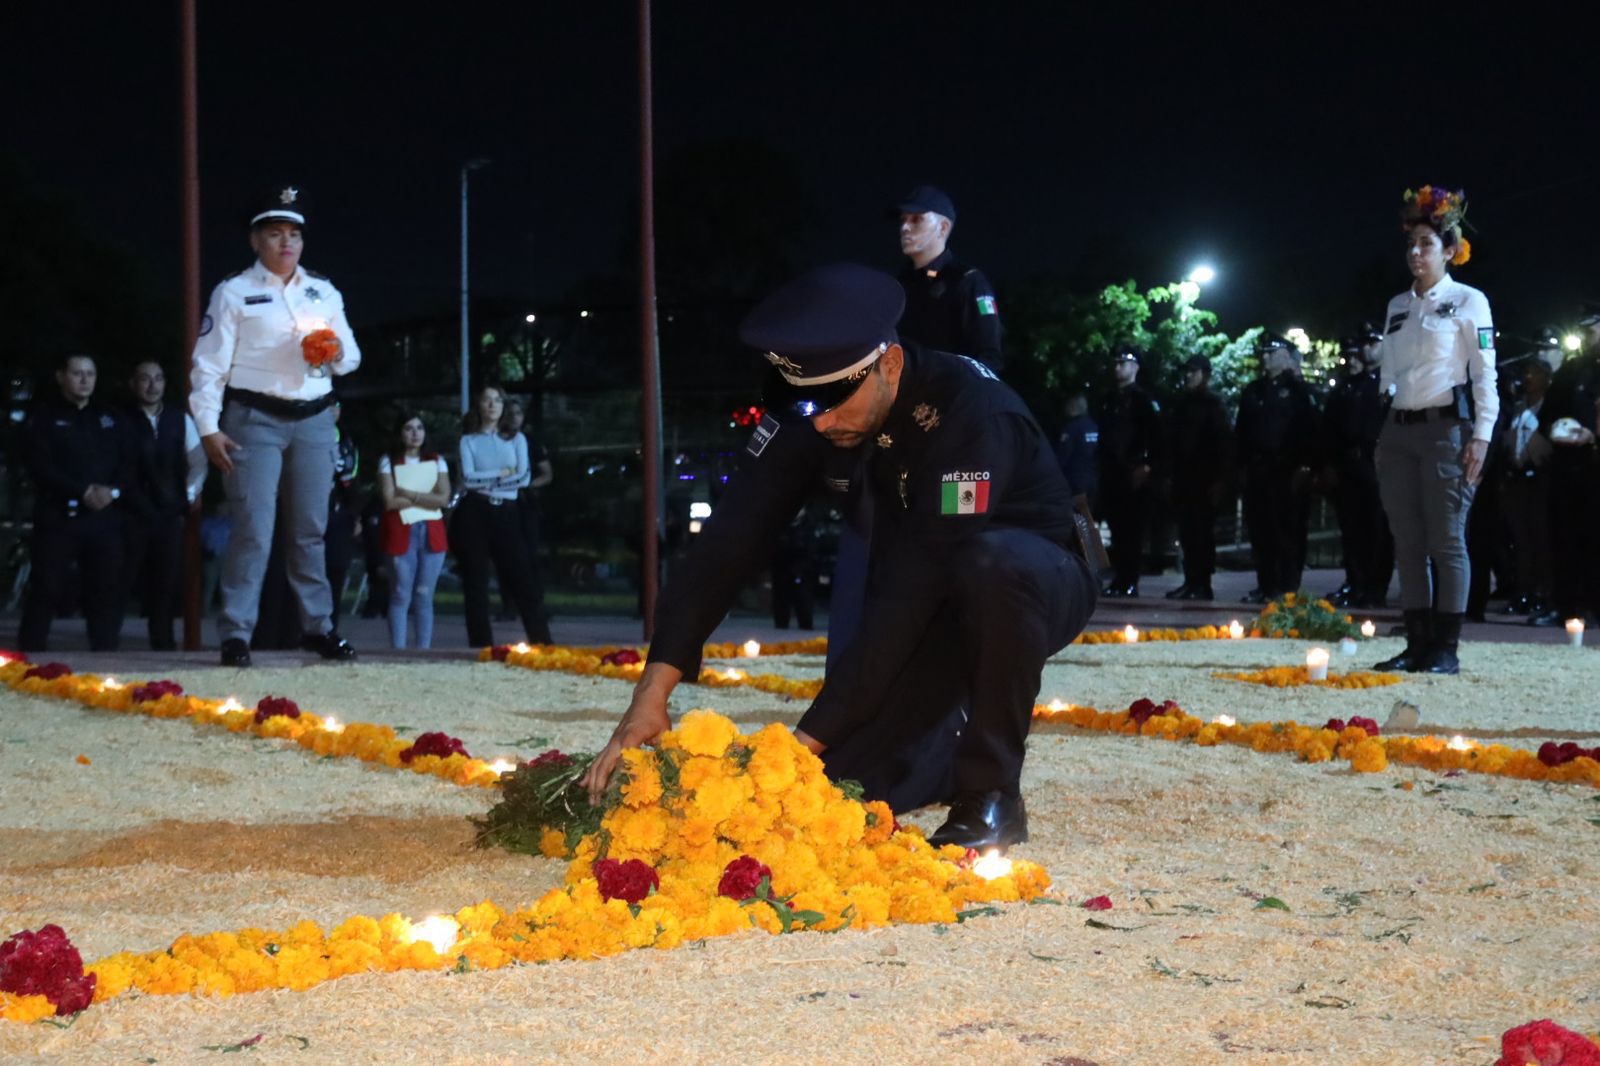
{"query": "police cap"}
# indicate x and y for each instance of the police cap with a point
(283, 204)
(1127, 354)
(822, 333)
(925, 198)
(1272, 342)
(1352, 344)
(1198, 362)
(1591, 313)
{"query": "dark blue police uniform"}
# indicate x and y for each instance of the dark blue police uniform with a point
(67, 449)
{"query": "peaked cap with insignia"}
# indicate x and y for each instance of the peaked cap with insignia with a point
(822, 333)
(283, 204)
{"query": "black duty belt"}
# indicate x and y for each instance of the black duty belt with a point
(1426, 414)
(278, 406)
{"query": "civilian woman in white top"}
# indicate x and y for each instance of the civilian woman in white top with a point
(415, 487)
(487, 525)
(1439, 366)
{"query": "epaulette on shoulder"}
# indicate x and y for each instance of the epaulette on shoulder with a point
(314, 274)
(237, 274)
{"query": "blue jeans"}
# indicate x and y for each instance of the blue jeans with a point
(411, 582)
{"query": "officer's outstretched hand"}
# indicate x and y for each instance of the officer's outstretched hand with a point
(218, 445)
(643, 723)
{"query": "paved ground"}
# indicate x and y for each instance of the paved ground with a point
(371, 635)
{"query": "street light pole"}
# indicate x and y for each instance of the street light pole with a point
(466, 315)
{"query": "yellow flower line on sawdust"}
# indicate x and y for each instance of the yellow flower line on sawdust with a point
(842, 863)
(366, 741)
(1295, 676)
(1315, 744)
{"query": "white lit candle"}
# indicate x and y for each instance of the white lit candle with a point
(1317, 663)
(331, 724)
(1235, 630)
(111, 684)
(1459, 743)
(502, 766)
(1369, 629)
(1575, 631)
(992, 865)
(1347, 646)
(733, 675)
(437, 930)
(1130, 635)
(230, 704)
(521, 647)
(1225, 719)
(752, 648)
(1057, 705)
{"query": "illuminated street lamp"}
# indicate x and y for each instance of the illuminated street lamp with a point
(1202, 275)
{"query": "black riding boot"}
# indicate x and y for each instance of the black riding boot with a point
(1441, 658)
(1419, 633)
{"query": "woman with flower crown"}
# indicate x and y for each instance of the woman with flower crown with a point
(1439, 368)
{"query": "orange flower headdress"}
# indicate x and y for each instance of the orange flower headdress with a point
(1442, 209)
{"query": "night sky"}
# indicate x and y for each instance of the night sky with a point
(1086, 144)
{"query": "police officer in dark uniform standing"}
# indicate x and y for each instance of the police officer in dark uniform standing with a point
(949, 304)
(1200, 442)
(74, 450)
(1567, 421)
(170, 470)
(975, 573)
(1078, 451)
(1130, 458)
(1352, 420)
(1276, 432)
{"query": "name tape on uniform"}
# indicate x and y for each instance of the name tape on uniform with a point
(765, 431)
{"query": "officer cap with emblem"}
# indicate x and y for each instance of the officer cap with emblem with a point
(822, 333)
(1127, 354)
(926, 198)
(1272, 342)
(1198, 362)
(1355, 343)
(283, 204)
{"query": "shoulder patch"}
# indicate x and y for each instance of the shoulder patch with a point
(980, 368)
(314, 274)
(963, 492)
(765, 431)
(986, 305)
(1485, 338)
(205, 325)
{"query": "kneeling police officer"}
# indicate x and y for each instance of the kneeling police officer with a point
(976, 574)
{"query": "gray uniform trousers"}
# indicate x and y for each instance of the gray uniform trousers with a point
(294, 459)
(1426, 496)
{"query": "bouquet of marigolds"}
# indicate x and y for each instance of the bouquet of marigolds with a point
(1298, 616)
(716, 831)
(320, 347)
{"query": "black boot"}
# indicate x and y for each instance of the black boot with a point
(1178, 593)
(1419, 633)
(983, 820)
(1441, 658)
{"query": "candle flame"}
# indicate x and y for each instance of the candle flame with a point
(752, 648)
(1057, 705)
(230, 704)
(1369, 629)
(111, 683)
(992, 865)
(733, 674)
(502, 766)
(1459, 743)
(521, 647)
(331, 724)
(1317, 657)
(1574, 625)
(437, 930)
(1225, 719)
(1235, 630)
(1130, 635)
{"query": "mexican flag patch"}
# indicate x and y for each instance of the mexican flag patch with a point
(1485, 338)
(986, 305)
(965, 492)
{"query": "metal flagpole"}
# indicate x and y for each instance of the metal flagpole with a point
(650, 351)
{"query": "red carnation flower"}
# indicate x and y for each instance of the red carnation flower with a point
(13, 656)
(500, 652)
(1142, 711)
(629, 881)
(621, 657)
(1548, 1044)
(48, 671)
(1335, 724)
(1099, 903)
(742, 878)
(45, 963)
(1365, 723)
(440, 744)
(276, 705)
(554, 758)
(154, 690)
